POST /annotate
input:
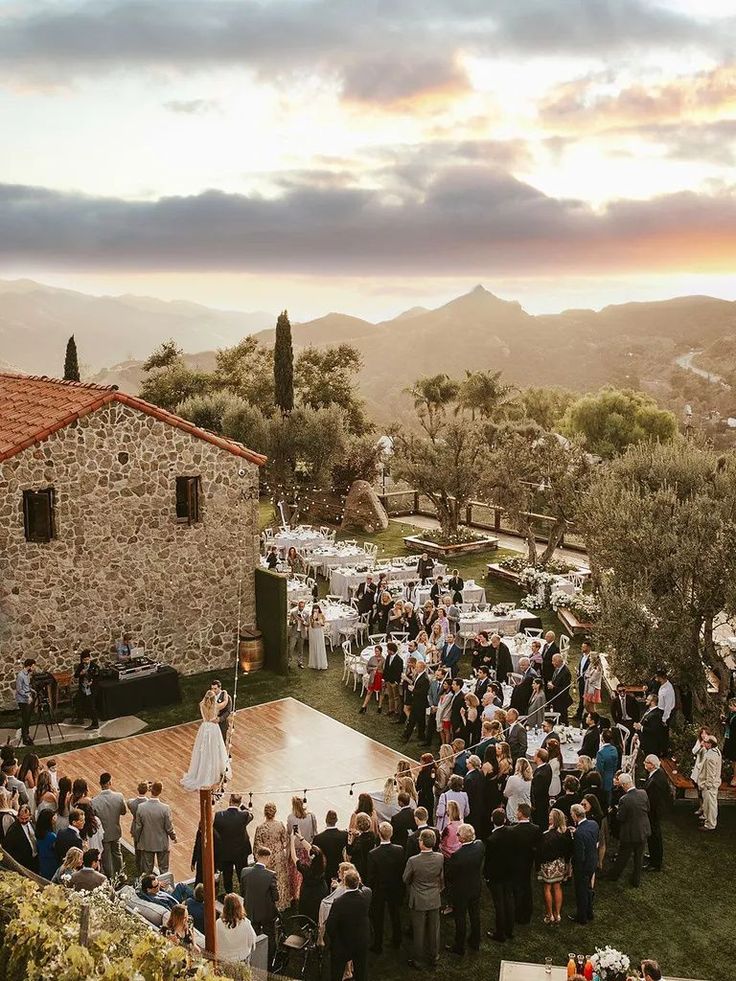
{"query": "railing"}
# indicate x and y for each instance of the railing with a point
(478, 514)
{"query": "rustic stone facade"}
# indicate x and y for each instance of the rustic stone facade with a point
(120, 559)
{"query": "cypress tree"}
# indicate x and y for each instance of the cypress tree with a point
(283, 365)
(71, 364)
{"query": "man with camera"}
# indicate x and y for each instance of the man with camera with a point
(86, 674)
(24, 696)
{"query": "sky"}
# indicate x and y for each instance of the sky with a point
(369, 155)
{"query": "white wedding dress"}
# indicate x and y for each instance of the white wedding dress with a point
(209, 756)
(317, 650)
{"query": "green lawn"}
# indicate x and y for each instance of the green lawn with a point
(683, 916)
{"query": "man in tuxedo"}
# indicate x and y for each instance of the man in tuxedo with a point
(482, 681)
(585, 651)
(433, 700)
(402, 823)
(516, 736)
(70, 836)
(232, 844)
(525, 839)
(499, 874)
(20, 840)
(154, 830)
(504, 664)
(457, 726)
(418, 712)
(541, 781)
(634, 829)
(625, 709)
(437, 590)
(366, 595)
(584, 862)
(455, 586)
(421, 816)
(592, 737)
(475, 788)
(385, 871)
(349, 929)
(133, 804)
(559, 688)
(522, 693)
(260, 894)
(333, 843)
(424, 878)
(548, 728)
(451, 654)
(652, 730)
(392, 669)
(464, 873)
(549, 649)
(657, 788)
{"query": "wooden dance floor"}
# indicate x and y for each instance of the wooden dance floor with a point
(278, 749)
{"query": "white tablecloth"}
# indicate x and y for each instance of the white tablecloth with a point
(506, 626)
(472, 593)
(296, 590)
(298, 539)
(344, 581)
(569, 750)
(337, 615)
(327, 557)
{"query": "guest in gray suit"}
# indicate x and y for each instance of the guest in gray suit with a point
(109, 806)
(133, 805)
(424, 879)
(634, 829)
(516, 736)
(154, 830)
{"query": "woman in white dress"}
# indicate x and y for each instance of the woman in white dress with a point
(317, 651)
(209, 756)
(518, 789)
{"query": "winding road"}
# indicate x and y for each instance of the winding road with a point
(686, 361)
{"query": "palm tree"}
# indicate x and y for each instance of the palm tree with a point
(483, 392)
(432, 394)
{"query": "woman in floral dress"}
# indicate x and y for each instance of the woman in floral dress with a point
(272, 834)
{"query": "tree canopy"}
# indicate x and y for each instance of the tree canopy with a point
(71, 362)
(613, 419)
(283, 365)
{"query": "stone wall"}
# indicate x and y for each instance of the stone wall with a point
(120, 560)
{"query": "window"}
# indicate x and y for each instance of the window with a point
(38, 515)
(187, 500)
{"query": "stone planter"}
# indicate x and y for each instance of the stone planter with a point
(418, 544)
(504, 575)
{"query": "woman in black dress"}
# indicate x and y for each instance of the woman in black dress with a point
(553, 855)
(314, 887)
(425, 784)
(363, 841)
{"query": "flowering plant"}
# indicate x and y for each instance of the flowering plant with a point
(532, 601)
(609, 963)
(501, 609)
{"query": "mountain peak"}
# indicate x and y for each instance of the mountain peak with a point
(479, 290)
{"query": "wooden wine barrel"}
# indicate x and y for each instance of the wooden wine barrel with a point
(250, 651)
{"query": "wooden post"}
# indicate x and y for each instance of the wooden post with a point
(208, 869)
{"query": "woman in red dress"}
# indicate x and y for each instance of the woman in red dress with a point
(374, 679)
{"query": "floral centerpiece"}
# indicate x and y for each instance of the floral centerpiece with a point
(502, 609)
(583, 605)
(567, 734)
(610, 964)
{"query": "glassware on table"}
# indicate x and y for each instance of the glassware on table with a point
(548, 966)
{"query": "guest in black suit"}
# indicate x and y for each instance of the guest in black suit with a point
(333, 843)
(475, 787)
(232, 844)
(592, 737)
(393, 668)
(625, 709)
(463, 874)
(652, 730)
(421, 817)
(504, 664)
(348, 927)
(362, 843)
(260, 893)
(455, 586)
(366, 595)
(385, 877)
(437, 590)
(20, 840)
(583, 665)
(549, 649)
(70, 836)
(541, 781)
(499, 874)
(482, 682)
(634, 829)
(522, 693)
(525, 839)
(402, 823)
(419, 690)
(658, 792)
(584, 862)
(559, 688)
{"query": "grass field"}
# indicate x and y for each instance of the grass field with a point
(683, 916)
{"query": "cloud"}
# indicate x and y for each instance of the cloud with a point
(192, 107)
(390, 82)
(467, 220)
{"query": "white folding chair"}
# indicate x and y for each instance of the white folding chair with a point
(533, 632)
(357, 669)
(333, 598)
(553, 717)
(376, 639)
(466, 635)
(628, 763)
(576, 579)
(361, 628)
(515, 678)
(625, 736)
(347, 657)
(481, 607)
(564, 644)
(400, 638)
(267, 534)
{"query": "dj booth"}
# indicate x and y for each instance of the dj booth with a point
(139, 684)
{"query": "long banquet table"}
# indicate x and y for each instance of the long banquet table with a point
(519, 971)
(345, 580)
(507, 625)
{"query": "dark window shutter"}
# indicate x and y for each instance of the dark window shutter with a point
(38, 515)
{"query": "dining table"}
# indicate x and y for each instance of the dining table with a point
(471, 592)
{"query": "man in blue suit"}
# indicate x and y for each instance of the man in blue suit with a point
(584, 862)
(451, 654)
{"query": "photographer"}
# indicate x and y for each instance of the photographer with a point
(24, 697)
(86, 674)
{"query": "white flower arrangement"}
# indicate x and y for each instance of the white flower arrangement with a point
(502, 609)
(532, 601)
(567, 734)
(609, 963)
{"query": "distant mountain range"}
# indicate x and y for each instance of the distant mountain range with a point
(634, 344)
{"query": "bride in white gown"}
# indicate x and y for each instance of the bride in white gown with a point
(209, 756)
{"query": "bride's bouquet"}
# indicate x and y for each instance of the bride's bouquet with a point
(610, 964)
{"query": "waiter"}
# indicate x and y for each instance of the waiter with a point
(24, 696)
(86, 674)
(224, 708)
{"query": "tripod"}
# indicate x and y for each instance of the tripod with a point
(45, 715)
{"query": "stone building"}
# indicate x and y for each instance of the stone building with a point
(118, 516)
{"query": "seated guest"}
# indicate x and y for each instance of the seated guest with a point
(151, 889)
(178, 929)
(89, 876)
(20, 840)
(195, 907)
(235, 935)
(48, 862)
(72, 861)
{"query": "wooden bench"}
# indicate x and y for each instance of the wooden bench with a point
(571, 623)
(685, 789)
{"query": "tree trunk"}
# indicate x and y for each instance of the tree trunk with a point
(531, 542)
(555, 537)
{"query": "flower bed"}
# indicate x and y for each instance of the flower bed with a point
(431, 542)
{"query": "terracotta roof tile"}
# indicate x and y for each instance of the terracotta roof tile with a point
(32, 407)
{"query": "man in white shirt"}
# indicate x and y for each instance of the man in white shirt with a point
(665, 702)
